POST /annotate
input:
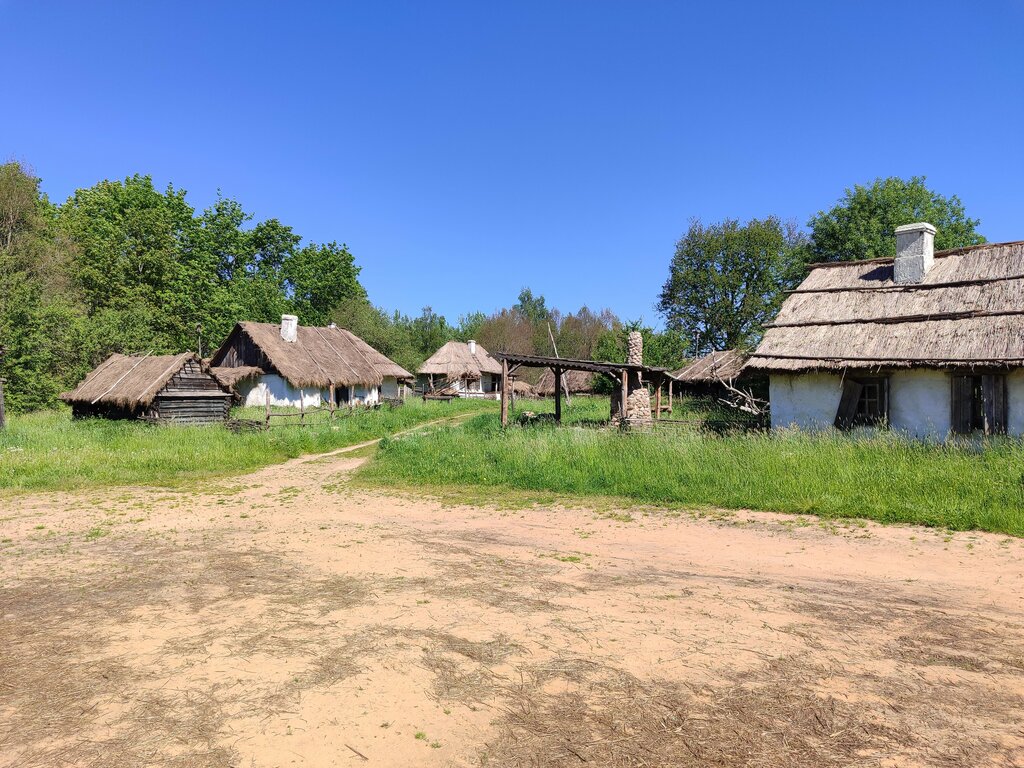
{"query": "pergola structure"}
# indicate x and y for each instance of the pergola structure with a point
(510, 363)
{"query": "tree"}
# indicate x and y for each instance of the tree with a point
(320, 277)
(727, 279)
(862, 224)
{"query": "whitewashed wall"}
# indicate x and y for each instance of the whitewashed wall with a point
(1015, 403)
(283, 394)
(919, 403)
(808, 401)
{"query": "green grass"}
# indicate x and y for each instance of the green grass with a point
(50, 451)
(877, 476)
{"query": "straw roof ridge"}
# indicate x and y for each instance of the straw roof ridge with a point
(129, 381)
(319, 357)
(712, 367)
(229, 376)
(455, 361)
(968, 310)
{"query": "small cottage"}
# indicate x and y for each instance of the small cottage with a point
(464, 369)
(573, 382)
(708, 375)
(162, 388)
(928, 343)
(305, 366)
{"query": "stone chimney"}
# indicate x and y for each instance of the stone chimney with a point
(638, 399)
(915, 252)
(472, 347)
(289, 328)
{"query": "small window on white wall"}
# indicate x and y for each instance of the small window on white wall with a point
(864, 402)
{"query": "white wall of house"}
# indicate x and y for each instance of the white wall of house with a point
(283, 394)
(808, 400)
(919, 403)
(1015, 403)
(390, 388)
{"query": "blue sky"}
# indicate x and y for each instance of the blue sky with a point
(466, 149)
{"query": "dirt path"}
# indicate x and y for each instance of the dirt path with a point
(288, 619)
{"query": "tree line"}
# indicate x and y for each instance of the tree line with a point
(125, 267)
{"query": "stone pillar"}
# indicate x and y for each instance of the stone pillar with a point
(638, 399)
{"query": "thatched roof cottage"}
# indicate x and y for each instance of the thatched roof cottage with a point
(293, 365)
(460, 368)
(165, 388)
(576, 382)
(709, 374)
(930, 343)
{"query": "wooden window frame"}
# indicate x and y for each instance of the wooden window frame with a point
(849, 415)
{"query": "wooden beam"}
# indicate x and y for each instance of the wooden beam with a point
(558, 395)
(624, 396)
(657, 401)
(504, 393)
(3, 416)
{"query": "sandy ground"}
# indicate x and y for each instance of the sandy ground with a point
(286, 618)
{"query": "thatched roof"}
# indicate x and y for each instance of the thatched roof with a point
(712, 368)
(576, 381)
(455, 361)
(228, 376)
(523, 388)
(968, 311)
(128, 381)
(318, 357)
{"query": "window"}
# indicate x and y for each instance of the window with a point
(864, 402)
(979, 404)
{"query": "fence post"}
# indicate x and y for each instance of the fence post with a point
(3, 416)
(302, 407)
(268, 407)
(331, 417)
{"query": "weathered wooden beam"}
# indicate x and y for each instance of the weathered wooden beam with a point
(657, 401)
(504, 393)
(624, 396)
(558, 395)
(3, 416)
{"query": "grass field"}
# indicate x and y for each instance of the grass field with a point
(879, 476)
(50, 451)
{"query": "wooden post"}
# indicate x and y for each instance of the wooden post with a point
(268, 407)
(504, 393)
(670, 383)
(511, 393)
(302, 407)
(331, 417)
(624, 396)
(657, 399)
(558, 395)
(3, 416)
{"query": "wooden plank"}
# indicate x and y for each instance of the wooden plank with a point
(657, 402)
(960, 403)
(624, 396)
(504, 393)
(558, 395)
(848, 404)
(3, 415)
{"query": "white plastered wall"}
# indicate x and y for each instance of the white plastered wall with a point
(283, 394)
(919, 403)
(807, 401)
(1015, 403)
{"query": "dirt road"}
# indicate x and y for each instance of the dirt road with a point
(286, 619)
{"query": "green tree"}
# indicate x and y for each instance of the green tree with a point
(318, 278)
(727, 279)
(862, 224)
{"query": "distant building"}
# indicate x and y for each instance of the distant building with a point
(290, 364)
(927, 343)
(710, 374)
(576, 382)
(463, 369)
(164, 388)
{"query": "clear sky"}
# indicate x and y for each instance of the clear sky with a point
(464, 150)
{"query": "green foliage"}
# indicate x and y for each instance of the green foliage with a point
(862, 223)
(727, 279)
(954, 485)
(51, 451)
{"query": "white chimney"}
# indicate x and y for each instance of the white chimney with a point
(472, 347)
(915, 252)
(289, 328)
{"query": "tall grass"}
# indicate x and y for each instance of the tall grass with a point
(880, 476)
(51, 451)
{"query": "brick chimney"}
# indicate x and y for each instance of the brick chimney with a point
(289, 328)
(915, 252)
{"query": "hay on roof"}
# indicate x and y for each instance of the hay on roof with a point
(229, 377)
(968, 311)
(319, 357)
(577, 382)
(128, 382)
(454, 361)
(712, 368)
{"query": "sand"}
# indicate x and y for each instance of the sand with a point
(289, 618)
